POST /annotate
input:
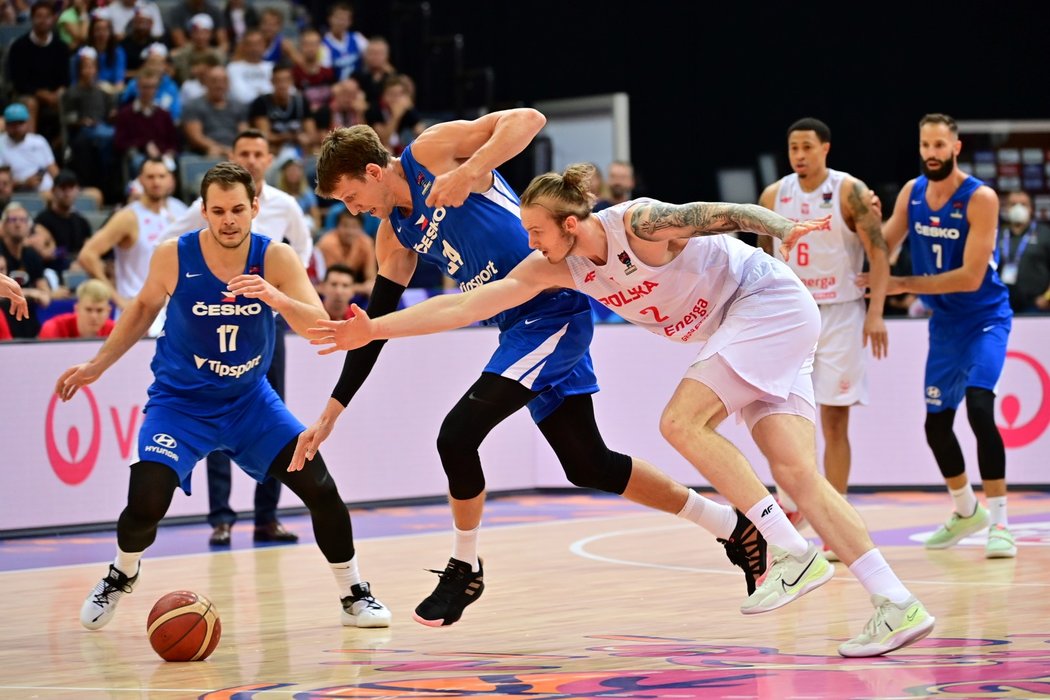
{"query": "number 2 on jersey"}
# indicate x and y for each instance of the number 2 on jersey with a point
(227, 337)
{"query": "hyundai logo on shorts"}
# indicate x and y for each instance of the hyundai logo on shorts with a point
(165, 440)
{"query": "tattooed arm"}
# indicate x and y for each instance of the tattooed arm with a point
(860, 217)
(658, 221)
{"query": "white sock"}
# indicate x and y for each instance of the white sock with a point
(771, 521)
(878, 578)
(965, 500)
(465, 546)
(127, 562)
(717, 518)
(997, 509)
(786, 502)
(346, 576)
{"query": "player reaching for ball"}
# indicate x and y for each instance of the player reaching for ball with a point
(210, 390)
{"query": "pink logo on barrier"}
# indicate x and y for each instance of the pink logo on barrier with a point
(74, 470)
(1021, 435)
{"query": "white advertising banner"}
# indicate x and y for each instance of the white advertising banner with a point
(66, 464)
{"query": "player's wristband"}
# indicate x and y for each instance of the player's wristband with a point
(359, 363)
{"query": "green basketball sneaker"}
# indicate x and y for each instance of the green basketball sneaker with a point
(787, 578)
(1000, 543)
(891, 627)
(957, 528)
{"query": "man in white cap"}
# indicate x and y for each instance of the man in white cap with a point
(202, 34)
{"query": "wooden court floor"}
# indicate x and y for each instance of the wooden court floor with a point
(623, 604)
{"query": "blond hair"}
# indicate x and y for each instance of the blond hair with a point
(94, 290)
(563, 195)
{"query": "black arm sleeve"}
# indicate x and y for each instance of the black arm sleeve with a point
(358, 364)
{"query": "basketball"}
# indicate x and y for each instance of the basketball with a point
(183, 626)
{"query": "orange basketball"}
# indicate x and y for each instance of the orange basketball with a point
(183, 626)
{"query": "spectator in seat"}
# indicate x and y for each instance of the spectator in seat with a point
(1024, 255)
(350, 246)
(122, 13)
(144, 130)
(139, 37)
(395, 118)
(59, 232)
(110, 57)
(183, 12)
(155, 59)
(345, 46)
(279, 49)
(284, 116)
(312, 77)
(250, 75)
(212, 122)
(38, 70)
(201, 43)
(292, 179)
(30, 156)
(90, 317)
(25, 266)
(89, 111)
(347, 107)
(73, 24)
(619, 183)
(337, 291)
(375, 69)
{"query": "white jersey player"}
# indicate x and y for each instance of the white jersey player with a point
(657, 265)
(828, 262)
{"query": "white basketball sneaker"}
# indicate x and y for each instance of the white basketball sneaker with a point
(101, 604)
(361, 609)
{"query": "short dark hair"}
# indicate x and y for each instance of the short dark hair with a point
(346, 152)
(340, 268)
(49, 6)
(822, 130)
(347, 214)
(152, 159)
(227, 175)
(249, 134)
(938, 118)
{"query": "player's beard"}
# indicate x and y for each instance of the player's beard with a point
(941, 173)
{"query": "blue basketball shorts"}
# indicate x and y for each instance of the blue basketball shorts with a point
(252, 429)
(547, 351)
(962, 356)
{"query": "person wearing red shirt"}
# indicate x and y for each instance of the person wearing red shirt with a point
(90, 317)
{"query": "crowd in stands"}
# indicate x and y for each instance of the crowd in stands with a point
(93, 93)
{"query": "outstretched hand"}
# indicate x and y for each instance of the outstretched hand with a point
(10, 289)
(799, 230)
(343, 335)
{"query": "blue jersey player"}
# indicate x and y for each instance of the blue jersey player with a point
(443, 200)
(951, 218)
(210, 390)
